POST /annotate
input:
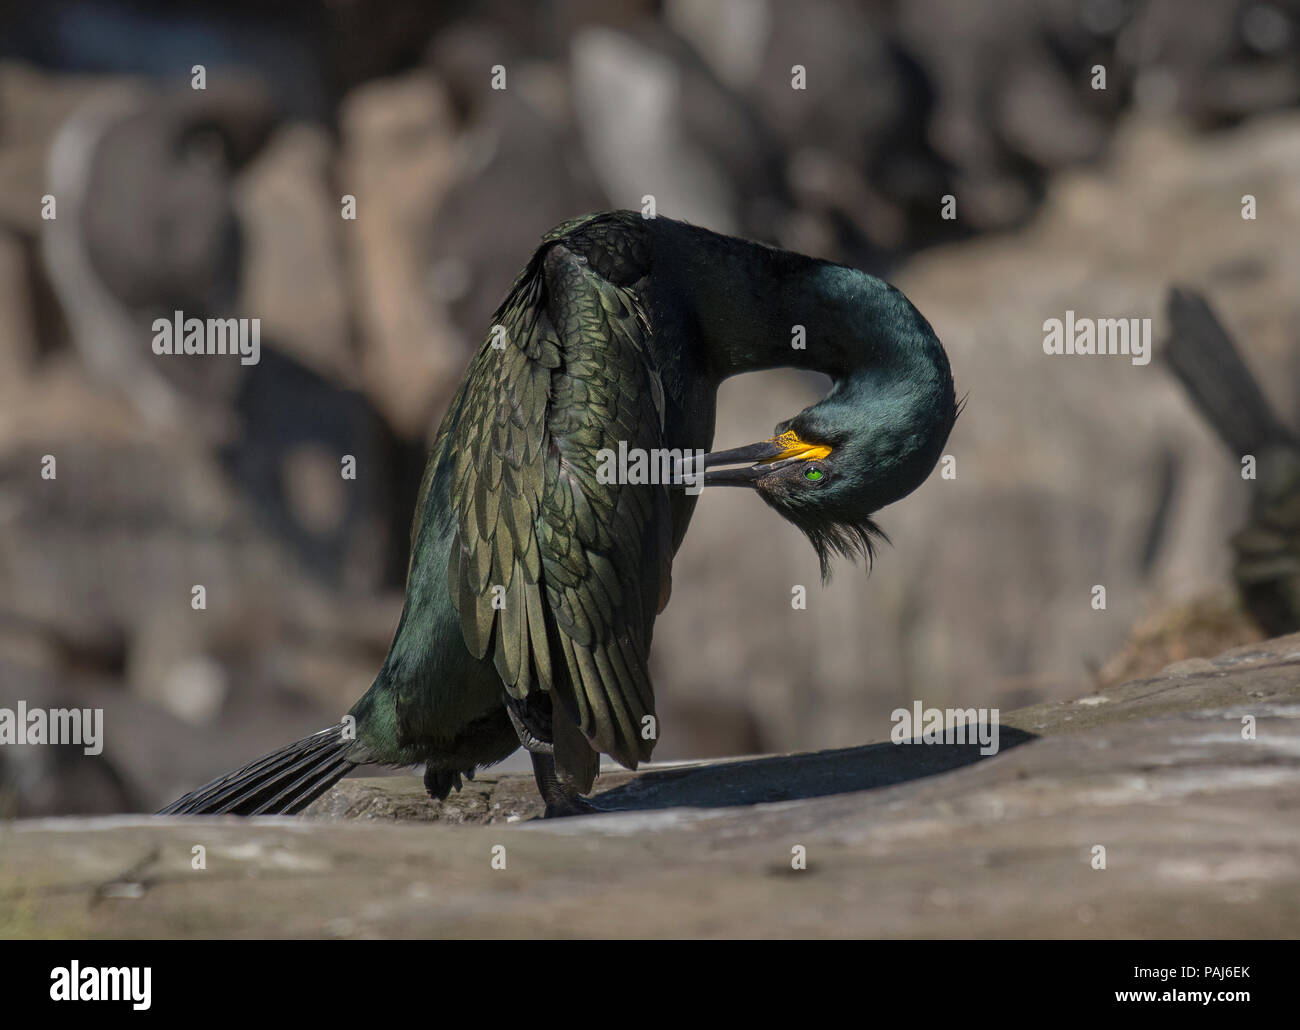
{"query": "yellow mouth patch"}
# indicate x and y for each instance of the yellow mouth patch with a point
(793, 447)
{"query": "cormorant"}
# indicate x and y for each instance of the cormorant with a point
(533, 587)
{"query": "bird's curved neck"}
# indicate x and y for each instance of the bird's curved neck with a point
(753, 307)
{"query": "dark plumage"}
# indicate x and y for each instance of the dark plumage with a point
(533, 586)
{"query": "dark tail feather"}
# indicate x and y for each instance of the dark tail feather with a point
(1203, 356)
(282, 783)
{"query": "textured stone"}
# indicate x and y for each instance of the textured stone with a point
(1197, 823)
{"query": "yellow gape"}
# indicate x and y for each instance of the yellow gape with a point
(792, 447)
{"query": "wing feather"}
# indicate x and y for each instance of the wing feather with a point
(581, 562)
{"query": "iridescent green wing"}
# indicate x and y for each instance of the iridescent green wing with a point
(557, 574)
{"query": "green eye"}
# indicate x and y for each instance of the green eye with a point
(813, 474)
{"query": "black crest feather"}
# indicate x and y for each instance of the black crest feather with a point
(852, 540)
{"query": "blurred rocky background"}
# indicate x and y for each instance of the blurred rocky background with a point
(1071, 472)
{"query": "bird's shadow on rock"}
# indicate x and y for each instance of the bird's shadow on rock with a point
(793, 777)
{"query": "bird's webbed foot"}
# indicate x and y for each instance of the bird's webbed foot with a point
(561, 799)
(439, 782)
(575, 805)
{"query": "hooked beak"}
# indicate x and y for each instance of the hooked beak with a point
(761, 458)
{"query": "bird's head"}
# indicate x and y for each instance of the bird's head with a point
(873, 439)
